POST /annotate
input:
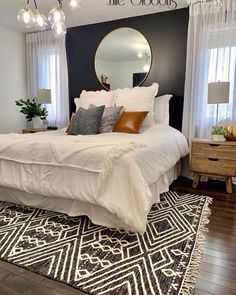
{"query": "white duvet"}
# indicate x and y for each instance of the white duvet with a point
(112, 170)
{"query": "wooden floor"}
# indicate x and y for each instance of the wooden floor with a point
(217, 272)
(218, 269)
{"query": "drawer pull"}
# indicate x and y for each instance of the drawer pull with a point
(214, 144)
(213, 159)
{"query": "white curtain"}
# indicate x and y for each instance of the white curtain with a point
(47, 68)
(211, 57)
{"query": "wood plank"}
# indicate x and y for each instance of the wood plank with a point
(200, 292)
(220, 246)
(213, 288)
(220, 255)
(3, 274)
(59, 288)
(218, 270)
(216, 279)
(4, 290)
(25, 286)
(219, 262)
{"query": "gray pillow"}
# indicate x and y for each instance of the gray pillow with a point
(86, 121)
(109, 118)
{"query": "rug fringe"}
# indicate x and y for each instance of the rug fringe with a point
(196, 259)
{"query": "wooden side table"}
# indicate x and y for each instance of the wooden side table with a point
(33, 130)
(213, 159)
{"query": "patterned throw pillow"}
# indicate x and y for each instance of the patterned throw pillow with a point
(86, 121)
(109, 118)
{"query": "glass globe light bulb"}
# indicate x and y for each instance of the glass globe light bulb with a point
(56, 15)
(59, 29)
(74, 4)
(140, 55)
(41, 20)
(26, 17)
(146, 68)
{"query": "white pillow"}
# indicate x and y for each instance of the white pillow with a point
(138, 99)
(96, 98)
(161, 109)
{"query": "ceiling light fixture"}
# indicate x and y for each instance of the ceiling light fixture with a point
(27, 18)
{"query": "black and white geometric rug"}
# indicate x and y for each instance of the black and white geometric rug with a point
(100, 260)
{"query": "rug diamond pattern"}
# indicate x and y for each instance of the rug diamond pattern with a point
(100, 260)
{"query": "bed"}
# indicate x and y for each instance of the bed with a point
(113, 178)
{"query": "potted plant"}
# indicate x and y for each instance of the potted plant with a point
(218, 133)
(34, 111)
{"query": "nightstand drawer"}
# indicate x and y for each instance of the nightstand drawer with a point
(214, 150)
(213, 165)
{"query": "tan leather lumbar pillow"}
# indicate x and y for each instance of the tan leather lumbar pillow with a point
(130, 122)
(71, 121)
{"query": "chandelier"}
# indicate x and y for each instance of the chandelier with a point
(56, 17)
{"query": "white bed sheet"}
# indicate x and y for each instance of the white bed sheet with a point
(126, 194)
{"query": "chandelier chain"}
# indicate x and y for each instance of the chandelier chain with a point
(35, 4)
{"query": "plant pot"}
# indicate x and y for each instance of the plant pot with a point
(217, 137)
(37, 123)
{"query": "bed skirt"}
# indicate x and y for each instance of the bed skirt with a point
(97, 214)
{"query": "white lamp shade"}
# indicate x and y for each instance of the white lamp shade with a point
(44, 96)
(218, 92)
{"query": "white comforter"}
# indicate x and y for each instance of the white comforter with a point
(112, 170)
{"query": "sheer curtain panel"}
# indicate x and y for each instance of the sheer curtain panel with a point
(47, 68)
(211, 57)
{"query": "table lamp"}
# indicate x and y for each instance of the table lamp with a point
(44, 96)
(218, 92)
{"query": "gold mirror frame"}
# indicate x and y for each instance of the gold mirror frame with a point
(99, 45)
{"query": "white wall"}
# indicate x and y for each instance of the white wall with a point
(120, 74)
(12, 79)
(103, 68)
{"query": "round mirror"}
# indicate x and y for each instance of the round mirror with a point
(123, 59)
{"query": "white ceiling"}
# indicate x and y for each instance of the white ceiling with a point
(92, 11)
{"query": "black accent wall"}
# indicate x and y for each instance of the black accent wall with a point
(166, 33)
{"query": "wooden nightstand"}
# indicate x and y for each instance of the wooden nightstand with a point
(33, 130)
(213, 159)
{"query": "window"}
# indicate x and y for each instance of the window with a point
(222, 67)
(47, 68)
(49, 77)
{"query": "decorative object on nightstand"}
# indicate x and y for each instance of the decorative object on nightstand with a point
(230, 133)
(218, 92)
(44, 96)
(215, 159)
(33, 110)
(218, 133)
